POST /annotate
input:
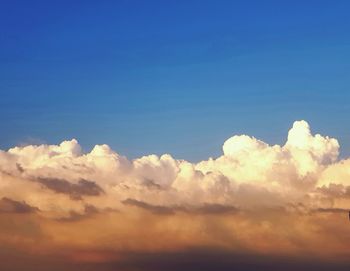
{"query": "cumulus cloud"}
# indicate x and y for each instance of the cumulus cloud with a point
(249, 173)
(250, 189)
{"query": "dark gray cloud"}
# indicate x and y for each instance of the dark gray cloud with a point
(151, 184)
(89, 211)
(216, 259)
(74, 190)
(330, 210)
(156, 209)
(215, 209)
(186, 260)
(19, 168)
(8, 205)
(335, 190)
(169, 210)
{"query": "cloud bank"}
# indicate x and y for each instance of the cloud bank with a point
(254, 198)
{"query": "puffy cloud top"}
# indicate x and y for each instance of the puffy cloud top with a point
(240, 145)
(249, 169)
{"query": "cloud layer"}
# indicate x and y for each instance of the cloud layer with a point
(254, 198)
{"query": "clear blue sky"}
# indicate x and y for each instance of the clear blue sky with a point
(175, 77)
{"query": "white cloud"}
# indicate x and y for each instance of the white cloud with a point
(249, 173)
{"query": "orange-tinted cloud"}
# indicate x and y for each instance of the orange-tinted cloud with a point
(100, 207)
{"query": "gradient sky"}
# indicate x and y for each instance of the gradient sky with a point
(91, 90)
(173, 77)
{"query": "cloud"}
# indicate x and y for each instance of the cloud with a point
(208, 259)
(211, 259)
(331, 210)
(215, 209)
(74, 190)
(89, 210)
(11, 206)
(248, 174)
(153, 208)
(171, 210)
(254, 198)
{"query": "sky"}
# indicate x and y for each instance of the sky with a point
(173, 77)
(174, 135)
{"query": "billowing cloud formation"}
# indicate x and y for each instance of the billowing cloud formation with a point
(254, 198)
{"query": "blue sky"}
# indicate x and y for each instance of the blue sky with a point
(175, 77)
